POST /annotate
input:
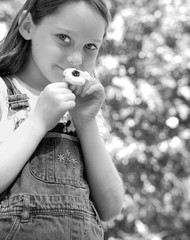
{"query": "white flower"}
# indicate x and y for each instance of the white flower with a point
(76, 77)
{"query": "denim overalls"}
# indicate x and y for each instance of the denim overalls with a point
(50, 197)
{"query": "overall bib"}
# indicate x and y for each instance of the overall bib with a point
(50, 198)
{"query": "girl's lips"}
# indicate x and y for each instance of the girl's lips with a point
(62, 69)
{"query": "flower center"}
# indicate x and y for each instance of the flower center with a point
(76, 73)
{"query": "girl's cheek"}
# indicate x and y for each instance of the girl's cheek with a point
(91, 64)
(56, 51)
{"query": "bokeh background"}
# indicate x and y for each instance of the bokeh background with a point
(145, 68)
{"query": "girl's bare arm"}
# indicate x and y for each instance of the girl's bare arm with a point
(52, 104)
(106, 186)
(16, 151)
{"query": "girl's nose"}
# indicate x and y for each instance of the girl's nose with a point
(75, 59)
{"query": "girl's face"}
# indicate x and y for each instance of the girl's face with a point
(71, 37)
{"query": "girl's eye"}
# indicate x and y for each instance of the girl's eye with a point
(91, 46)
(64, 38)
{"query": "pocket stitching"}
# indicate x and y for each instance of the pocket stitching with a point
(52, 179)
(13, 229)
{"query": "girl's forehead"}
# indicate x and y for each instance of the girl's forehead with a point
(78, 17)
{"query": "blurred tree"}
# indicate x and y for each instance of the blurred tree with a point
(145, 70)
(146, 75)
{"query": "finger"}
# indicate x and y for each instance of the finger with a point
(58, 84)
(72, 87)
(89, 84)
(86, 86)
(69, 105)
(94, 88)
(78, 90)
(64, 97)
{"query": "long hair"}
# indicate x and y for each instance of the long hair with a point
(14, 50)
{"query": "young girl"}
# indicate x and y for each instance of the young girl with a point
(57, 180)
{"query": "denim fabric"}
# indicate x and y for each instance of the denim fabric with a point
(50, 199)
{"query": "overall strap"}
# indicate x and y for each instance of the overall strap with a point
(11, 89)
(15, 100)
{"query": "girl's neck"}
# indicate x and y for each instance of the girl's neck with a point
(27, 86)
(32, 79)
(30, 82)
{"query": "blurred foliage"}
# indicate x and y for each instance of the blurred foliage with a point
(146, 71)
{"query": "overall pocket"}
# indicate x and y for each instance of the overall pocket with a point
(93, 226)
(59, 161)
(8, 227)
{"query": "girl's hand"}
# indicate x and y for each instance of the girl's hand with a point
(89, 99)
(55, 100)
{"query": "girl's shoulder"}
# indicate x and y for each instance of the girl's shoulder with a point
(3, 86)
(3, 96)
(6, 120)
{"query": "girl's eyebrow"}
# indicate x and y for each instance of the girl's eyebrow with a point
(97, 40)
(65, 30)
(74, 34)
